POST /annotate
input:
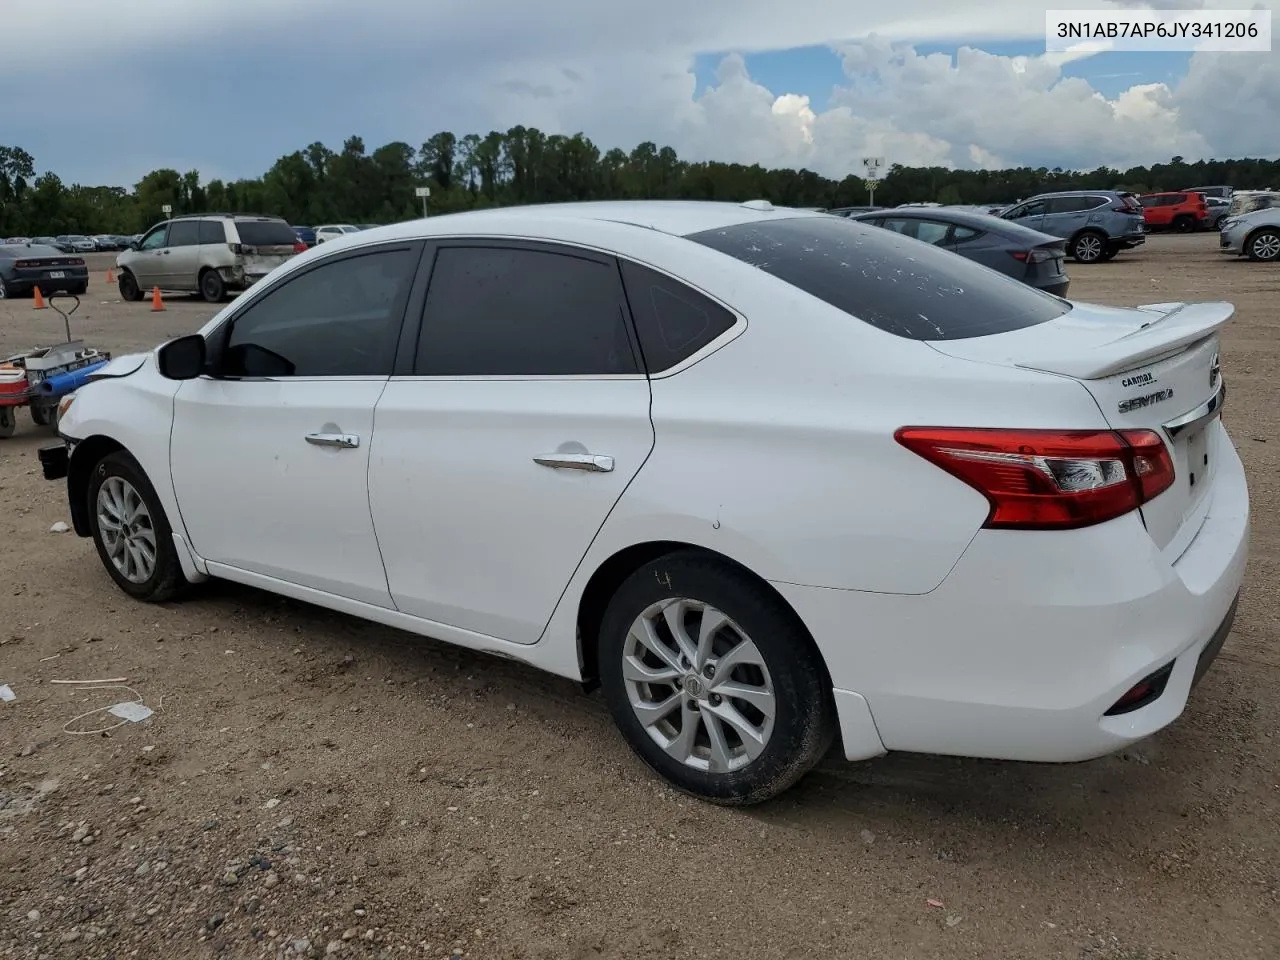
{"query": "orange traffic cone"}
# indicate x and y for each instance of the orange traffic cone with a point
(111, 277)
(156, 302)
(39, 297)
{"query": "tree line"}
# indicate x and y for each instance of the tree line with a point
(319, 185)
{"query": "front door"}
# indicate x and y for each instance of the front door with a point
(522, 420)
(180, 258)
(270, 452)
(147, 262)
(1029, 214)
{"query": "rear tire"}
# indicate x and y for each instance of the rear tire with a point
(128, 285)
(1184, 224)
(735, 737)
(1263, 246)
(8, 422)
(1089, 246)
(80, 290)
(131, 531)
(212, 287)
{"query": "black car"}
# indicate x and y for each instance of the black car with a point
(24, 266)
(1035, 258)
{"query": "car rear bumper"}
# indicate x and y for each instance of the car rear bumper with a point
(1034, 636)
(22, 286)
(1056, 287)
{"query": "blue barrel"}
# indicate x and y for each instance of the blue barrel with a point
(61, 383)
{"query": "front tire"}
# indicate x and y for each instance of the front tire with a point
(128, 285)
(1264, 246)
(131, 531)
(713, 682)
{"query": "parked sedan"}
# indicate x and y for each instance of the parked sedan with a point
(1255, 235)
(772, 479)
(1028, 255)
(25, 266)
(75, 243)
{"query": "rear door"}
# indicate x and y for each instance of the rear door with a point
(505, 443)
(264, 244)
(1066, 216)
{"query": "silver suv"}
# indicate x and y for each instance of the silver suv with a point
(1097, 224)
(211, 254)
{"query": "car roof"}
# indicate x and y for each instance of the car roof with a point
(675, 217)
(964, 218)
(1077, 193)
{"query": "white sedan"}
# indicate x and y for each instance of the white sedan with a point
(770, 478)
(1254, 235)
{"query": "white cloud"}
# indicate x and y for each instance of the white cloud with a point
(622, 73)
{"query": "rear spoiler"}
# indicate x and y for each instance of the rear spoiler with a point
(1173, 327)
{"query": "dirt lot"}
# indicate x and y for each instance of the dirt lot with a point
(311, 785)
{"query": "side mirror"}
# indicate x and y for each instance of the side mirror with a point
(182, 359)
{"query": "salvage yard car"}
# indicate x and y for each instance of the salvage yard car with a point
(211, 255)
(769, 478)
(26, 266)
(1255, 235)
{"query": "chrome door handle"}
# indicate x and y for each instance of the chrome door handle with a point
(576, 461)
(345, 441)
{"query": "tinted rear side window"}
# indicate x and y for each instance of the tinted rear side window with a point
(212, 231)
(673, 322)
(508, 311)
(899, 285)
(265, 233)
(183, 233)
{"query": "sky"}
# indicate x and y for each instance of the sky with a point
(226, 87)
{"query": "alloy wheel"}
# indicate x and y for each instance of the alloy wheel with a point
(1267, 246)
(698, 685)
(127, 531)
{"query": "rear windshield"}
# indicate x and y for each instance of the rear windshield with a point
(901, 286)
(265, 233)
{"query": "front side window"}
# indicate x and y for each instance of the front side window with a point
(516, 311)
(1034, 208)
(903, 288)
(155, 239)
(212, 231)
(338, 319)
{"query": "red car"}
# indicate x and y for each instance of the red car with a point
(1184, 211)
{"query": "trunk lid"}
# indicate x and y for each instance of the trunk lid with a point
(1147, 368)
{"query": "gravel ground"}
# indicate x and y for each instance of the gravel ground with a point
(310, 785)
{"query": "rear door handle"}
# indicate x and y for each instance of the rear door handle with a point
(344, 441)
(576, 461)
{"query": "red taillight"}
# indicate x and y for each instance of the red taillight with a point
(1038, 255)
(75, 262)
(299, 247)
(23, 264)
(1049, 479)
